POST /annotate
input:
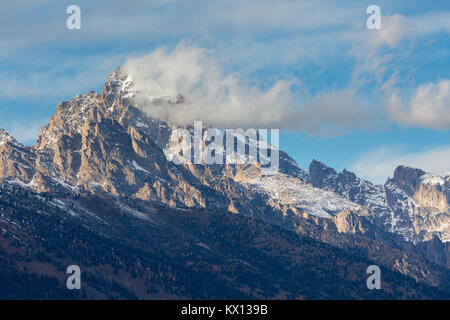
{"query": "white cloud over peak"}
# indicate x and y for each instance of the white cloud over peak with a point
(223, 99)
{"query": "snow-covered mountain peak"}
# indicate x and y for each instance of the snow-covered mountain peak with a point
(120, 83)
(432, 179)
(5, 137)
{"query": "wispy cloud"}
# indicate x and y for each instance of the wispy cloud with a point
(380, 164)
(380, 53)
(397, 27)
(428, 108)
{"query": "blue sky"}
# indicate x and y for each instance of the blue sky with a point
(368, 99)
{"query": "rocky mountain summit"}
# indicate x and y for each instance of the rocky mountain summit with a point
(101, 163)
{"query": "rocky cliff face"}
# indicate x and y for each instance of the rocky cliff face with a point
(407, 178)
(103, 145)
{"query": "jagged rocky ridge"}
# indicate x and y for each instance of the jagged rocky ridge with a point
(413, 204)
(102, 145)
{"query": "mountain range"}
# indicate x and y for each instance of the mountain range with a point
(97, 190)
